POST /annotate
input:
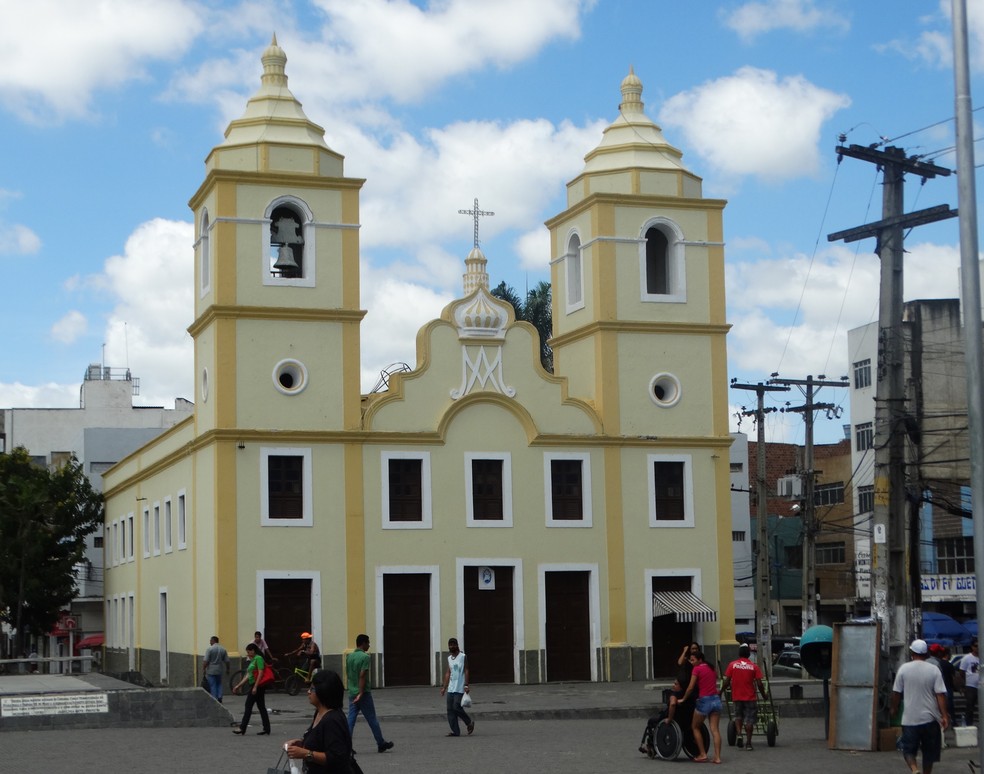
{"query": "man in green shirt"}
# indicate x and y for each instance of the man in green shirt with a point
(360, 694)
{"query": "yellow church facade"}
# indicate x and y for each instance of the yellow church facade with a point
(572, 525)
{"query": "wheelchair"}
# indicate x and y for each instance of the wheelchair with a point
(666, 740)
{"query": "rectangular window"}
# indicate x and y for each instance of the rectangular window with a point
(737, 537)
(567, 479)
(97, 542)
(488, 484)
(866, 499)
(864, 436)
(146, 532)
(114, 544)
(954, 556)
(286, 487)
(182, 522)
(156, 526)
(130, 538)
(406, 490)
(830, 553)
(286, 479)
(737, 467)
(168, 545)
(828, 494)
(862, 374)
(670, 490)
(793, 556)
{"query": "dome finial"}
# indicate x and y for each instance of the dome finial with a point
(274, 64)
(631, 93)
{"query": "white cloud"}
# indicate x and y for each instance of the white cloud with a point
(70, 327)
(753, 123)
(755, 18)
(48, 395)
(152, 283)
(533, 249)
(16, 239)
(396, 311)
(87, 46)
(839, 292)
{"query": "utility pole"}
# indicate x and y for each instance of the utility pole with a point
(810, 528)
(891, 601)
(763, 632)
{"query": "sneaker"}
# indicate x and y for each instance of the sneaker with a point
(740, 742)
(748, 747)
(385, 746)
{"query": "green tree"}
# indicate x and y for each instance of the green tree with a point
(536, 310)
(45, 517)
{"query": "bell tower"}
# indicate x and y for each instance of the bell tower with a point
(638, 285)
(277, 313)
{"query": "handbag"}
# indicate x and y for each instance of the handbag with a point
(204, 684)
(266, 676)
(354, 767)
(280, 769)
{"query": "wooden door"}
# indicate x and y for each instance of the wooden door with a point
(286, 612)
(406, 629)
(568, 626)
(488, 629)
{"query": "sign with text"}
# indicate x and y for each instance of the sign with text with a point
(54, 704)
(944, 588)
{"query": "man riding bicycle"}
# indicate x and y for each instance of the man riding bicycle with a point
(308, 648)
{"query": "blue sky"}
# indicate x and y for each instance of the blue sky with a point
(110, 108)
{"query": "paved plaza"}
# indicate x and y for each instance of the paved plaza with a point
(570, 728)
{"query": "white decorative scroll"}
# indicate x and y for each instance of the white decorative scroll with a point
(486, 374)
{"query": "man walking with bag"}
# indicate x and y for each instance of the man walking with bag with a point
(456, 686)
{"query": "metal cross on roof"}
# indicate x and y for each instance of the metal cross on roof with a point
(475, 212)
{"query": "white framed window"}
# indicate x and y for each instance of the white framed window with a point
(168, 544)
(286, 487)
(574, 274)
(114, 544)
(662, 267)
(862, 374)
(182, 521)
(406, 490)
(488, 489)
(130, 537)
(567, 489)
(289, 244)
(156, 527)
(146, 532)
(204, 254)
(671, 490)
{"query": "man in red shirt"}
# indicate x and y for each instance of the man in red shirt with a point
(744, 677)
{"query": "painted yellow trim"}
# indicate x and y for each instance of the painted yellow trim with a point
(624, 326)
(278, 179)
(648, 201)
(223, 383)
(225, 535)
(295, 314)
(355, 543)
(618, 626)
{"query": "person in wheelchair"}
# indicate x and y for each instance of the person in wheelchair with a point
(676, 709)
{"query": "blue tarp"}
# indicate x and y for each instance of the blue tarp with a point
(937, 626)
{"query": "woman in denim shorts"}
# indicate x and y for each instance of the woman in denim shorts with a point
(703, 681)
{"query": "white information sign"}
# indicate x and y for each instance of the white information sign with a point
(54, 704)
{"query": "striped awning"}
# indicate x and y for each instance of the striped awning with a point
(686, 607)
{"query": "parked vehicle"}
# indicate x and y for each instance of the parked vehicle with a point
(788, 665)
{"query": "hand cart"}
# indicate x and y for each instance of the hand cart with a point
(767, 722)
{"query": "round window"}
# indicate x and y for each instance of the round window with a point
(290, 377)
(664, 390)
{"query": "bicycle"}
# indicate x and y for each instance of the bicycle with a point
(298, 679)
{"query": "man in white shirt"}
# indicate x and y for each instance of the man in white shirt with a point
(969, 666)
(924, 715)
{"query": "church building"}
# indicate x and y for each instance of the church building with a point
(573, 525)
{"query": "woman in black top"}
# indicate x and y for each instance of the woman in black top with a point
(327, 745)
